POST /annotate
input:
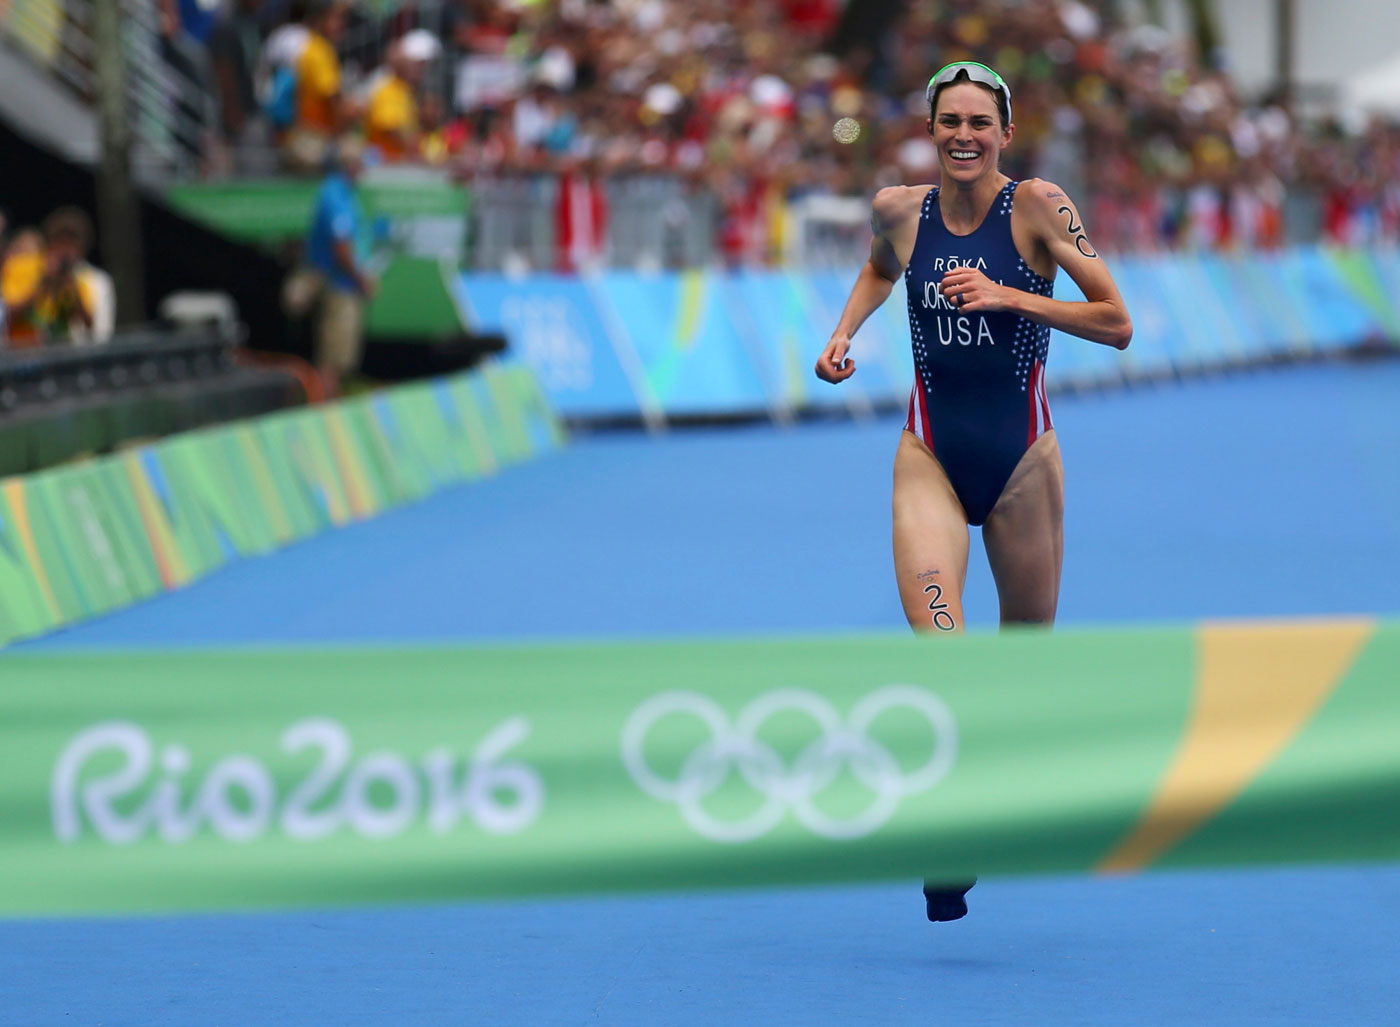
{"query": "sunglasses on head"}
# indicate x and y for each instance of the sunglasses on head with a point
(972, 72)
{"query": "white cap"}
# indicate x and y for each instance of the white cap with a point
(420, 45)
(664, 98)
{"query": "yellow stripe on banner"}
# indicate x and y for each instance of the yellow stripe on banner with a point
(692, 303)
(169, 563)
(316, 466)
(357, 489)
(267, 491)
(19, 512)
(1257, 687)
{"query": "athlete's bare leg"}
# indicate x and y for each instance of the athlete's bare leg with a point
(930, 540)
(1024, 536)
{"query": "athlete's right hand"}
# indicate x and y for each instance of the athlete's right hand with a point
(832, 365)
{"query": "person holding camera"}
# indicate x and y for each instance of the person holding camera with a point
(54, 295)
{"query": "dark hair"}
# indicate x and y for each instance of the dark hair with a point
(69, 222)
(317, 11)
(1003, 107)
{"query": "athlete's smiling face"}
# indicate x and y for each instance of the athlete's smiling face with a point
(966, 128)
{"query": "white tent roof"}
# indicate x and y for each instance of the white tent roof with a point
(1375, 89)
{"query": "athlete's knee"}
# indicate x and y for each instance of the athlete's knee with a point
(1042, 616)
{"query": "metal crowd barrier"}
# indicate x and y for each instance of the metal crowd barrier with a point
(169, 94)
(661, 221)
(653, 221)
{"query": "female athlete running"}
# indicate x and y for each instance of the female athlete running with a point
(978, 255)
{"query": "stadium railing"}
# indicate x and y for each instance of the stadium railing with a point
(170, 111)
(62, 402)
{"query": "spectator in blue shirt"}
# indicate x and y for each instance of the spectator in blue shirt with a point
(334, 279)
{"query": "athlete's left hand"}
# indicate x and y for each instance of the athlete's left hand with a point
(968, 289)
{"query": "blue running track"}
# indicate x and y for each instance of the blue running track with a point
(1263, 494)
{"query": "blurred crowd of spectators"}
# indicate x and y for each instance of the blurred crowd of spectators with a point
(1158, 140)
(740, 98)
(49, 291)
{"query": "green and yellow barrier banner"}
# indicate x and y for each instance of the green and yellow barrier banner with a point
(243, 779)
(85, 539)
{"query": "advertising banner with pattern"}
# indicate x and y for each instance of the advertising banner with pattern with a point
(621, 344)
(554, 323)
(80, 540)
(690, 343)
(292, 777)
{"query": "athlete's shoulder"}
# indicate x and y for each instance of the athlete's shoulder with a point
(895, 205)
(1041, 198)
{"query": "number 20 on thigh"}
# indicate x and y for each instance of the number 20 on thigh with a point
(942, 619)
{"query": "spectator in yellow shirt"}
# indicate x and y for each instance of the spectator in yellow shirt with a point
(51, 293)
(391, 112)
(320, 112)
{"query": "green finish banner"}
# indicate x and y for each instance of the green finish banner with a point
(197, 780)
(85, 539)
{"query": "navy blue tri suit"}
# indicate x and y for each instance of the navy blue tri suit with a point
(978, 400)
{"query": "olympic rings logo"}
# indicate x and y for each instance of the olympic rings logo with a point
(840, 745)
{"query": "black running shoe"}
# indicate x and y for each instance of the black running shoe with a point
(946, 901)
